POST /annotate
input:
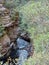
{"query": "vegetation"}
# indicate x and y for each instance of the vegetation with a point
(34, 18)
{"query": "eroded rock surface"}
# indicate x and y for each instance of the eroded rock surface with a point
(4, 42)
(12, 32)
(10, 28)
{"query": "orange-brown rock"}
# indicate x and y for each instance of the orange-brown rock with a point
(12, 28)
(12, 32)
(4, 43)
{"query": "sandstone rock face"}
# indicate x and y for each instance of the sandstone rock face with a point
(10, 27)
(4, 42)
(5, 39)
(4, 15)
(5, 20)
(12, 32)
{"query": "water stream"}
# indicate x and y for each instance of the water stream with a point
(23, 54)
